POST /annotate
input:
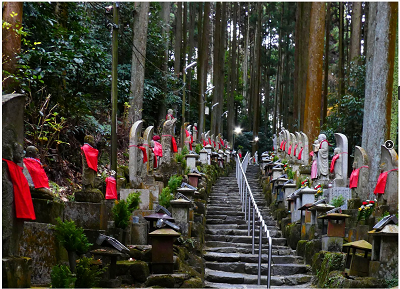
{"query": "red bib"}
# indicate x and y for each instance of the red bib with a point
(281, 146)
(174, 146)
(111, 189)
(222, 142)
(91, 156)
(204, 143)
(157, 149)
(22, 195)
(295, 148)
(144, 151)
(37, 173)
(353, 183)
(300, 153)
(290, 149)
(334, 159)
(284, 146)
(381, 184)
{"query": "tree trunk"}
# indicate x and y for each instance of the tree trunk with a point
(245, 59)
(341, 50)
(165, 18)
(178, 40)
(382, 24)
(192, 19)
(203, 65)
(11, 43)
(314, 74)
(223, 48)
(326, 65)
(217, 82)
(355, 40)
(140, 23)
(231, 99)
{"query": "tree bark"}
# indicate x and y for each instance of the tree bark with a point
(11, 42)
(355, 40)
(217, 82)
(382, 24)
(178, 40)
(140, 24)
(203, 64)
(314, 73)
(192, 19)
(231, 99)
(326, 65)
(341, 50)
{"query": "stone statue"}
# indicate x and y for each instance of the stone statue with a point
(36, 176)
(360, 175)
(314, 166)
(304, 149)
(168, 141)
(337, 167)
(195, 132)
(389, 170)
(89, 163)
(323, 153)
(341, 163)
(147, 139)
(274, 143)
(169, 115)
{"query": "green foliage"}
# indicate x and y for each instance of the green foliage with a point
(338, 201)
(198, 148)
(121, 214)
(275, 158)
(133, 201)
(179, 158)
(185, 151)
(72, 237)
(290, 173)
(174, 183)
(165, 197)
(61, 277)
(392, 283)
(299, 181)
(87, 274)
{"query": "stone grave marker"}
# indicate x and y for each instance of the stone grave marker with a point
(135, 154)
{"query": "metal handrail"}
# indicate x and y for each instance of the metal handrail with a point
(248, 201)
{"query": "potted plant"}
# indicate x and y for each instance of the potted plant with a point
(73, 239)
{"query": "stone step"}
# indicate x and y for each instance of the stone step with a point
(237, 232)
(240, 278)
(251, 286)
(222, 214)
(213, 244)
(233, 226)
(235, 220)
(276, 250)
(249, 258)
(243, 239)
(252, 268)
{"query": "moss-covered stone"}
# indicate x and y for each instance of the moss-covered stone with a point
(336, 280)
(301, 248)
(311, 248)
(311, 233)
(284, 222)
(47, 211)
(91, 196)
(293, 235)
(192, 283)
(280, 214)
(354, 203)
(164, 281)
(17, 272)
(139, 270)
(331, 261)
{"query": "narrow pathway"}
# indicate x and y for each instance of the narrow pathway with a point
(229, 262)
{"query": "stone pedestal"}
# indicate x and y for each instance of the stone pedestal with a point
(208, 148)
(203, 157)
(334, 231)
(191, 160)
(276, 172)
(332, 244)
(187, 192)
(17, 272)
(296, 214)
(288, 189)
(139, 233)
(180, 212)
(162, 251)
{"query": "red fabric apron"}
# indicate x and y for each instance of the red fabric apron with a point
(381, 184)
(157, 149)
(111, 189)
(334, 159)
(281, 146)
(300, 153)
(91, 156)
(284, 146)
(204, 143)
(290, 149)
(22, 194)
(174, 146)
(353, 183)
(295, 148)
(35, 169)
(144, 151)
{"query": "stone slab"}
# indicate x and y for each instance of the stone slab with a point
(85, 215)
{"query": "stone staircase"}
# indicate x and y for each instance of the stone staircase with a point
(229, 261)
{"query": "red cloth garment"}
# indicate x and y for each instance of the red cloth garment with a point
(204, 143)
(222, 142)
(157, 149)
(166, 117)
(240, 155)
(381, 184)
(323, 142)
(214, 144)
(300, 153)
(156, 138)
(35, 169)
(143, 149)
(174, 146)
(190, 146)
(334, 159)
(209, 141)
(295, 148)
(111, 189)
(284, 146)
(22, 194)
(290, 149)
(91, 156)
(155, 161)
(281, 146)
(187, 133)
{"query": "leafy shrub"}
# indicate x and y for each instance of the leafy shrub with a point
(338, 201)
(72, 237)
(185, 151)
(61, 277)
(198, 148)
(275, 158)
(174, 183)
(87, 274)
(133, 201)
(121, 214)
(165, 197)
(179, 158)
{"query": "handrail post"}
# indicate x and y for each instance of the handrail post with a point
(248, 222)
(252, 243)
(259, 255)
(245, 205)
(269, 262)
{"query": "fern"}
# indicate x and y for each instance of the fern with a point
(72, 237)
(121, 214)
(61, 277)
(165, 197)
(133, 201)
(87, 274)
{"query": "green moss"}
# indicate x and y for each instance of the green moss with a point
(311, 248)
(301, 248)
(192, 283)
(330, 262)
(165, 281)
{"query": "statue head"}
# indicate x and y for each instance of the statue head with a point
(337, 151)
(89, 139)
(18, 153)
(170, 111)
(321, 137)
(195, 124)
(31, 152)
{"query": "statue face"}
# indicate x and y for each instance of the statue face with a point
(336, 151)
(170, 111)
(32, 152)
(321, 137)
(18, 153)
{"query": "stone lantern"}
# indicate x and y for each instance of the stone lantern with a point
(194, 179)
(180, 211)
(209, 149)
(204, 157)
(334, 231)
(153, 218)
(162, 250)
(191, 160)
(187, 192)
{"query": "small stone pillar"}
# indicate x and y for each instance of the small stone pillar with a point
(194, 179)
(334, 231)
(153, 218)
(307, 196)
(187, 192)
(317, 211)
(296, 214)
(276, 172)
(203, 157)
(162, 250)
(288, 189)
(134, 169)
(180, 211)
(191, 160)
(208, 148)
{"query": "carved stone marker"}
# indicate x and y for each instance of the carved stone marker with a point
(147, 143)
(359, 176)
(323, 153)
(195, 132)
(135, 153)
(167, 140)
(305, 152)
(341, 167)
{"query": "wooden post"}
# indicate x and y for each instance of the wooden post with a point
(114, 88)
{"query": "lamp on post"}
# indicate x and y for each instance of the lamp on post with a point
(237, 131)
(184, 102)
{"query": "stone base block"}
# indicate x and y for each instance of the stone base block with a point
(91, 196)
(17, 272)
(332, 244)
(111, 283)
(85, 214)
(139, 233)
(47, 211)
